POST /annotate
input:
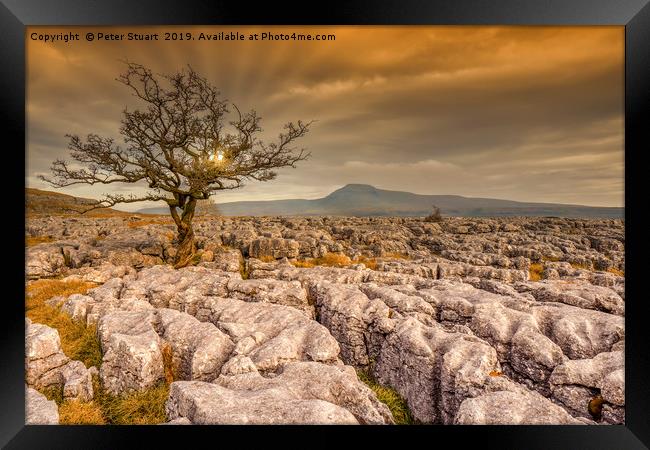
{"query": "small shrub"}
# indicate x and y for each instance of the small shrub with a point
(389, 397)
(206, 208)
(535, 271)
(435, 215)
(595, 407)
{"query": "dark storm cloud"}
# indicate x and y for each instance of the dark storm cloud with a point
(525, 113)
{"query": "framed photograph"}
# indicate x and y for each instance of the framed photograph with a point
(418, 218)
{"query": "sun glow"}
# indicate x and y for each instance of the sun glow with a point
(216, 156)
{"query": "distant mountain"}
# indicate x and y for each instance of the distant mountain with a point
(366, 200)
(47, 202)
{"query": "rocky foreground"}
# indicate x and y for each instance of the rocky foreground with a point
(471, 321)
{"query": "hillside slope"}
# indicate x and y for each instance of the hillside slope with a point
(38, 202)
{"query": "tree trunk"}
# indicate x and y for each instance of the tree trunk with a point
(186, 246)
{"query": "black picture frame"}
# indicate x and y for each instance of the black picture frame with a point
(15, 15)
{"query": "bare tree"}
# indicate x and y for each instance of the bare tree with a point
(207, 208)
(181, 146)
(435, 215)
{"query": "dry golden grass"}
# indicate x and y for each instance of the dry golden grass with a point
(168, 364)
(244, 270)
(329, 260)
(73, 412)
(147, 221)
(77, 340)
(370, 263)
(104, 213)
(139, 408)
(389, 397)
(53, 393)
(35, 240)
(535, 271)
(266, 258)
(333, 260)
(616, 271)
(80, 343)
(396, 255)
(303, 263)
(613, 270)
(341, 260)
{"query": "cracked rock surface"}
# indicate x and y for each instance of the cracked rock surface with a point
(47, 366)
(470, 321)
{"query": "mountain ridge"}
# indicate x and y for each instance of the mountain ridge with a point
(356, 199)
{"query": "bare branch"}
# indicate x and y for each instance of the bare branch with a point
(171, 143)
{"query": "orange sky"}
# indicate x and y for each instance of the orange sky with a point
(522, 113)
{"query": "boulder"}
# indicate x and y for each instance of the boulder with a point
(39, 410)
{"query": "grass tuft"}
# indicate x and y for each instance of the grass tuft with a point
(73, 412)
(139, 408)
(389, 397)
(580, 266)
(341, 260)
(243, 269)
(54, 392)
(535, 271)
(168, 363)
(616, 271)
(329, 260)
(335, 260)
(78, 341)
